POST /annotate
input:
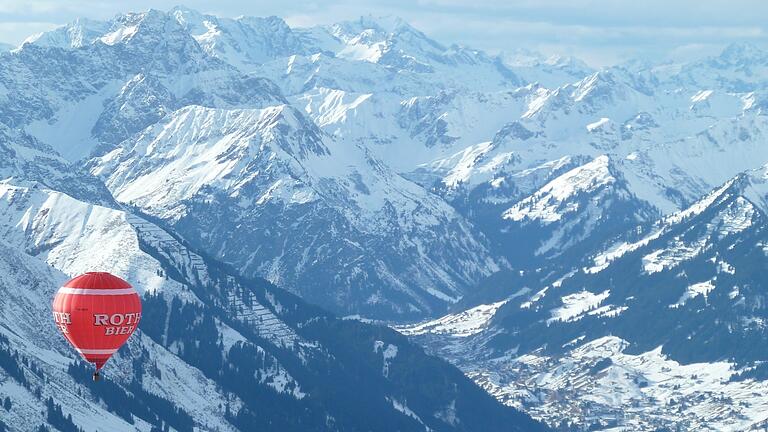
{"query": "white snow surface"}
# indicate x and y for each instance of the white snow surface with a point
(598, 124)
(641, 390)
(76, 237)
(737, 217)
(120, 35)
(266, 158)
(387, 355)
(552, 201)
(577, 304)
(462, 324)
(697, 289)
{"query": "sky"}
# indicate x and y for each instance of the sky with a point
(599, 32)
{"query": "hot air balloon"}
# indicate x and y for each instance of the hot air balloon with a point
(97, 312)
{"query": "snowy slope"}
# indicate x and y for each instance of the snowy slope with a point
(96, 91)
(740, 68)
(667, 144)
(392, 42)
(79, 33)
(271, 167)
(282, 347)
(584, 203)
(550, 71)
(244, 42)
(666, 139)
(61, 231)
(548, 203)
(657, 330)
(122, 103)
(49, 356)
(27, 160)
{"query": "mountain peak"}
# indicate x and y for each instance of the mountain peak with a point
(743, 52)
(183, 9)
(76, 34)
(547, 204)
(186, 16)
(244, 42)
(603, 82)
(370, 29)
(149, 16)
(550, 71)
(386, 23)
(753, 185)
(84, 31)
(524, 57)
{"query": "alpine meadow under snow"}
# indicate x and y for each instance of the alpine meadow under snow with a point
(355, 227)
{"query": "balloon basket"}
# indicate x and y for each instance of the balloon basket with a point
(96, 376)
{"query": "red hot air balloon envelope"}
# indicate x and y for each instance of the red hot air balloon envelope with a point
(97, 312)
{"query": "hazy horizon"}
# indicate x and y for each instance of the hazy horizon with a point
(599, 34)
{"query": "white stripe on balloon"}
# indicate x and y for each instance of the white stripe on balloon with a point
(96, 291)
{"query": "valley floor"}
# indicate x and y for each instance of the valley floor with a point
(597, 386)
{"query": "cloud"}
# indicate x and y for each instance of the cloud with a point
(599, 45)
(647, 13)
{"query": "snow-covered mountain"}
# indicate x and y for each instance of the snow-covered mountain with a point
(588, 232)
(740, 68)
(273, 195)
(215, 351)
(376, 259)
(550, 71)
(587, 335)
(79, 33)
(247, 42)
